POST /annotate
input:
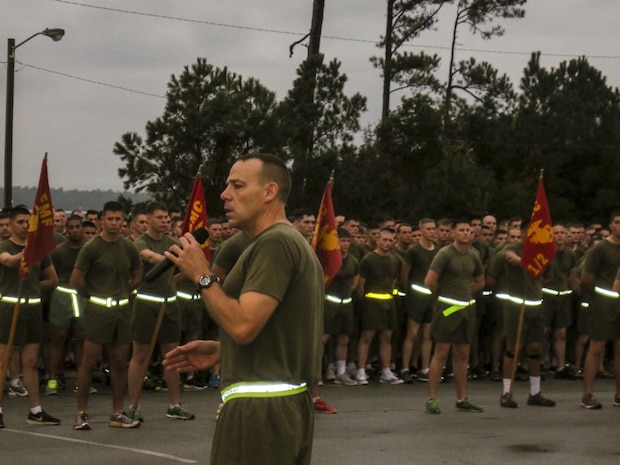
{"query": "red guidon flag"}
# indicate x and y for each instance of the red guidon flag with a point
(539, 247)
(325, 237)
(196, 214)
(40, 241)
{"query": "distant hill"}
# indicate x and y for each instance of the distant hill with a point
(75, 199)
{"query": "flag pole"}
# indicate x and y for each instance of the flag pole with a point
(149, 354)
(10, 343)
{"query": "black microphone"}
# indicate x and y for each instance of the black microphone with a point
(200, 234)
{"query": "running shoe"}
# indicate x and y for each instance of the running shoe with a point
(180, 413)
(432, 406)
(18, 390)
(466, 406)
(41, 418)
(320, 406)
(120, 420)
(588, 401)
(507, 401)
(81, 422)
(539, 400)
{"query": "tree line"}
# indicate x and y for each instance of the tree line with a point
(468, 142)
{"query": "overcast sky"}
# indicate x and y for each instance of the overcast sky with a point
(108, 75)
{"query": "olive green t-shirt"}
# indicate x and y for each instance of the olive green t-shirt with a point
(603, 260)
(9, 277)
(230, 250)
(419, 259)
(108, 266)
(162, 286)
(456, 272)
(517, 282)
(564, 261)
(63, 258)
(341, 284)
(279, 263)
(381, 272)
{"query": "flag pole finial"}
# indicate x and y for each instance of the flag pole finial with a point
(331, 175)
(541, 172)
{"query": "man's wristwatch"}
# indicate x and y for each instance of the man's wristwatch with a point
(206, 280)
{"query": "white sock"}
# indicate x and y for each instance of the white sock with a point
(361, 372)
(14, 382)
(534, 385)
(35, 410)
(340, 367)
(507, 385)
(386, 371)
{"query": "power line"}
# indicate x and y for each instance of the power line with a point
(91, 81)
(347, 39)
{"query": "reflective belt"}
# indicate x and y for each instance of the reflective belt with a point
(27, 301)
(398, 293)
(108, 301)
(606, 293)
(585, 304)
(338, 300)
(187, 296)
(487, 293)
(546, 290)
(517, 300)
(155, 298)
(261, 389)
(376, 296)
(74, 300)
(421, 289)
(456, 305)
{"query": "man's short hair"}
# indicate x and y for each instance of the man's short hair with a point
(19, 210)
(344, 233)
(74, 217)
(211, 221)
(300, 213)
(112, 206)
(460, 221)
(152, 207)
(273, 170)
(403, 225)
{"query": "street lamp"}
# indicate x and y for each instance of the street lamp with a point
(55, 35)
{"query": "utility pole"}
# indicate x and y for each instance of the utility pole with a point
(318, 8)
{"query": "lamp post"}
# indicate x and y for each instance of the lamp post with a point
(55, 35)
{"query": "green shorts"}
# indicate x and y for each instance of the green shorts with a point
(29, 328)
(378, 315)
(420, 307)
(533, 329)
(605, 318)
(456, 328)
(192, 312)
(107, 325)
(63, 312)
(557, 311)
(260, 431)
(338, 318)
(144, 318)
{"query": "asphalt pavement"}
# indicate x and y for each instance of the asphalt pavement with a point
(375, 424)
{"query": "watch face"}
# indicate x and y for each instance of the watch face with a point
(205, 280)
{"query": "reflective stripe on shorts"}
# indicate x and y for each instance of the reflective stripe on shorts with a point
(455, 305)
(261, 389)
(108, 301)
